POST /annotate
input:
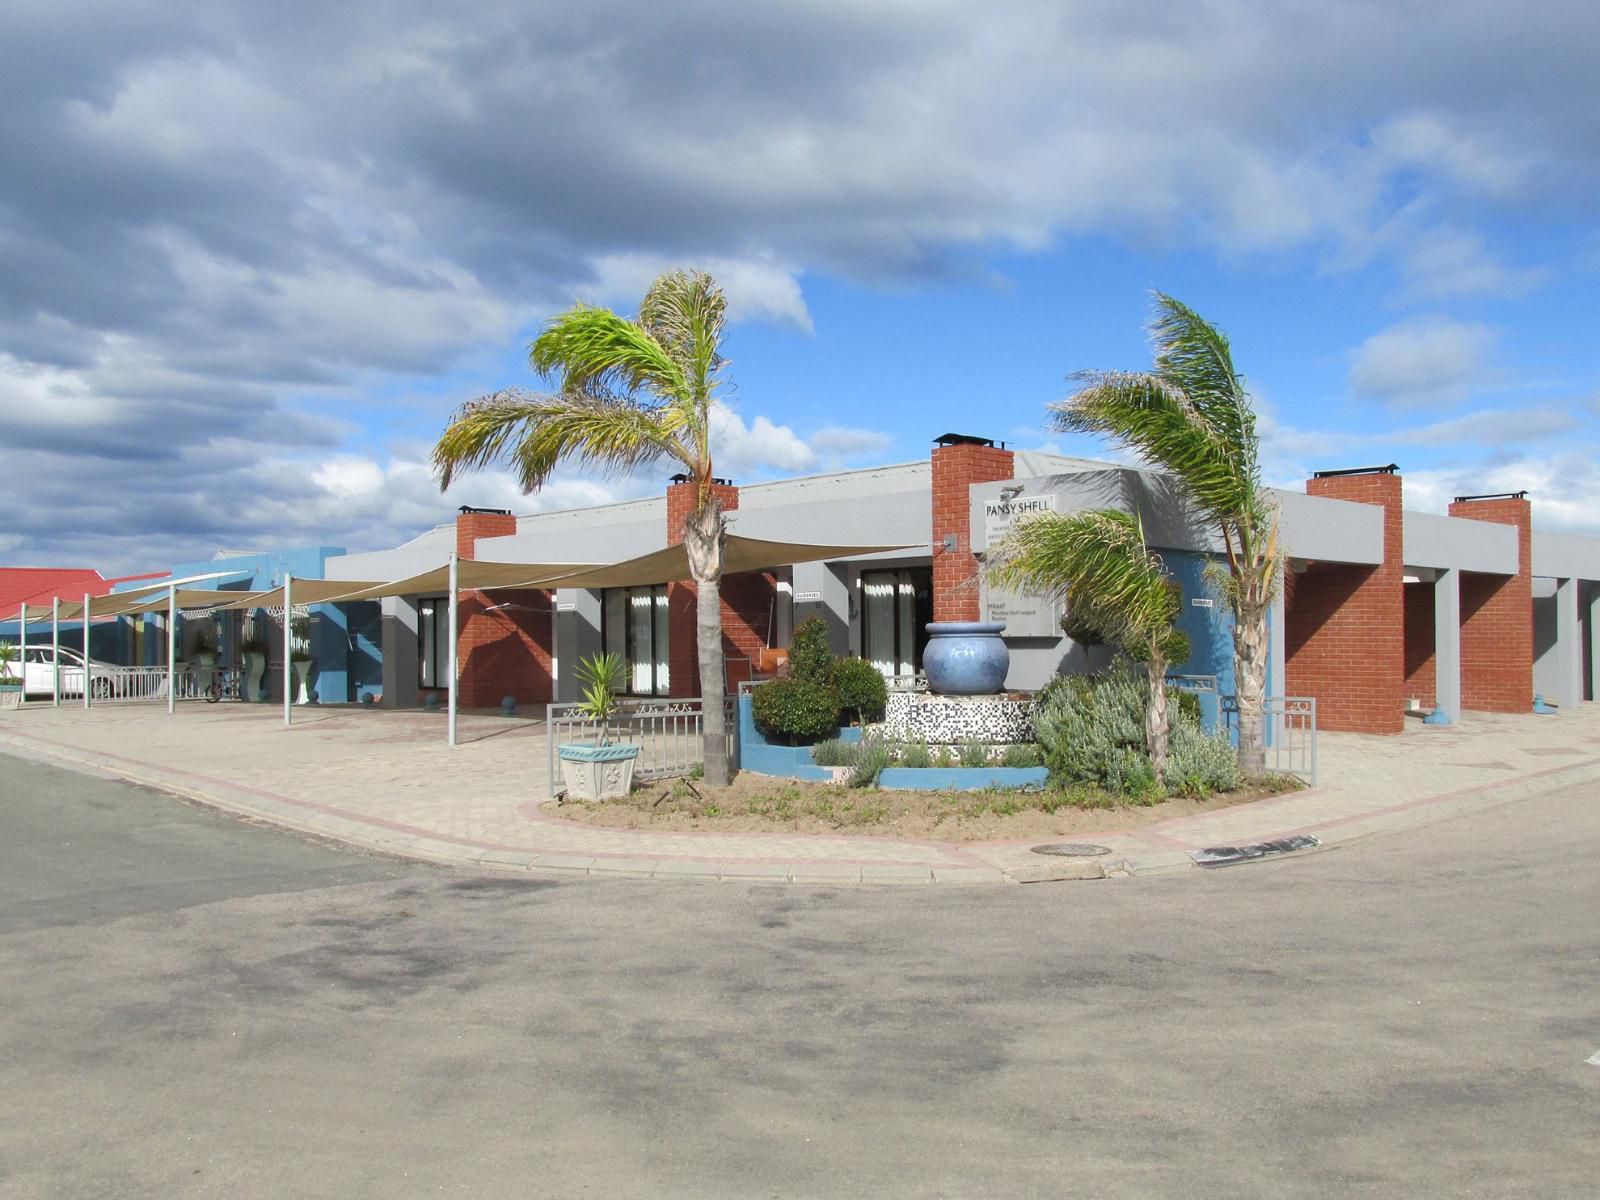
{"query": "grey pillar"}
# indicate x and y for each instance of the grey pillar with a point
(822, 590)
(1447, 644)
(1594, 641)
(577, 637)
(1277, 681)
(399, 639)
(1569, 646)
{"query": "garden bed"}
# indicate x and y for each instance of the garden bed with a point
(760, 804)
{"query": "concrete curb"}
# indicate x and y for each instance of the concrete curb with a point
(404, 842)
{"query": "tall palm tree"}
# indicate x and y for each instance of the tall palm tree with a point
(1192, 417)
(626, 393)
(1098, 564)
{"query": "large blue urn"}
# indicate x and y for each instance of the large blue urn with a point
(966, 658)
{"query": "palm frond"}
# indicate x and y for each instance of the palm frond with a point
(685, 312)
(534, 433)
(1155, 417)
(1098, 564)
(589, 349)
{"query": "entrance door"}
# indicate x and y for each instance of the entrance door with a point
(896, 607)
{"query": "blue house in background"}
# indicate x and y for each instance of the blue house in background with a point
(345, 641)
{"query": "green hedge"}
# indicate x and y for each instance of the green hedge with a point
(801, 710)
(862, 690)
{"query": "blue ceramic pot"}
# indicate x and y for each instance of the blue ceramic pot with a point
(966, 658)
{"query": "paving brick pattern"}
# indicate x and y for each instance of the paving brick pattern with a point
(387, 781)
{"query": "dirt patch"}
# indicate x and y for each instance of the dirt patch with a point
(761, 804)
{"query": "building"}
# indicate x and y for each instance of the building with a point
(1381, 609)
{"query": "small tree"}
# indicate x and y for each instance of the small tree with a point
(600, 677)
(1192, 417)
(1097, 563)
(627, 394)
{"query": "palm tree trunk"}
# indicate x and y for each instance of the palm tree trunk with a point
(702, 539)
(1250, 686)
(1155, 717)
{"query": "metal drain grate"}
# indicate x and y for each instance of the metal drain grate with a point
(1227, 856)
(1072, 849)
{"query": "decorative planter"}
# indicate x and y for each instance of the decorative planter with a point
(302, 674)
(204, 673)
(966, 658)
(255, 666)
(598, 772)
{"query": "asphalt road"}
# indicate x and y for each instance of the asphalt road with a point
(198, 1007)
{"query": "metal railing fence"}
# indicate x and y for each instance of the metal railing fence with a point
(669, 734)
(1291, 733)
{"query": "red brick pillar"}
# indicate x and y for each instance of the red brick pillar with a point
(955, 469)
(1344, 637)
(509, 651)
(1497, 617)
(683, 647)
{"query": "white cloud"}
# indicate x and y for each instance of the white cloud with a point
(757, 289)
(836, 444)
(743, 451)
(1421, 361)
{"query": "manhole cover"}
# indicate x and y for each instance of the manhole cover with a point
(1072, 849)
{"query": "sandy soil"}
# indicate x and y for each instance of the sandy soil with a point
(761, 804)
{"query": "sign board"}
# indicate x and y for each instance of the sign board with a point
(567, 606)
(1000, 515)
(1025, 615)
(1198, 602)
(808, 597)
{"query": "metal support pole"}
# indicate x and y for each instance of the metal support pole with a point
(288, 648)
(455, 577)
(22, 651)
(172, 649)
(88, 670)
(55, 653)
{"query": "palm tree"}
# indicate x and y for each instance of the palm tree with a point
(1191, 416)
(627, 393)
(1098, 564)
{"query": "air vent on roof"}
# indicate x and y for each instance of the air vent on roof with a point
(1388, 470)
(498, 512)
(680, 477)
(1522, 495)
(963, 439)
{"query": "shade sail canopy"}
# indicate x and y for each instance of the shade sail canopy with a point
(667, 565)
(739, 554)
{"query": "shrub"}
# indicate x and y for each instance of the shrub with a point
(871, 757)
(833, 753)
(1088, 726)
(862, 690)
(915, 754)
(801, 710)
(942, 757)
(810, 656)
(1199, 764)
(974, 754)
(1023, 754)
(1186, 704)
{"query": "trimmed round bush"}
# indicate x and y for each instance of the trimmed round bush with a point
(810, 656)
(801, 710)
(862, 690)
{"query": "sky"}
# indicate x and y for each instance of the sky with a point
(253, 256)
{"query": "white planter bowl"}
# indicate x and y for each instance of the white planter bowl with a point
(598, 772)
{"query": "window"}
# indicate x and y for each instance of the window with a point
(896, 607)
(634, 628)
(433, 642)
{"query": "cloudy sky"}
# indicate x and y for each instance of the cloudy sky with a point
(252, 255)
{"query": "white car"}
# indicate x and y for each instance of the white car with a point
(38, 664)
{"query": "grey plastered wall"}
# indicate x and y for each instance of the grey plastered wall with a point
(883, 506)
(577, 635)
(399, 640)
(421, 553)
(1437, 542)
(1566, 556)
(1545, 664)
(607, 533)
(1310, 527)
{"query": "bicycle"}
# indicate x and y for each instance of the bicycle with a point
(225, 681)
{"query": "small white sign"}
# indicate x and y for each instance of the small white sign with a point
(567, 606)
(1199, 602)
(808, 597)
